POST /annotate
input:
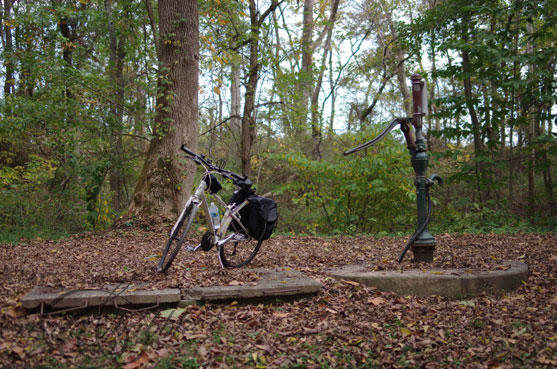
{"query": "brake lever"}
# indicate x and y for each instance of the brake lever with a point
(221, 163)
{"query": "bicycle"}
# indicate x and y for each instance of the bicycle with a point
(235, 246)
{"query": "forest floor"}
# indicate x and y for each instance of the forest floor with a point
(345, 325)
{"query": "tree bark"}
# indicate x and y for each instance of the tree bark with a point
(248, 118)
(115, 120)
(162, 187)
(9, 83)
(476, 127)
(306, 72)
(400, 69)
(316, 131)
(531, 136)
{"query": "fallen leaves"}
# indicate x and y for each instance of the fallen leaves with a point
(346, 325)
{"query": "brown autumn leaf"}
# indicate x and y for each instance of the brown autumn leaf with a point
(19, 352)
(13, 312)
(376, 301)
(351, 283)
(134, 362)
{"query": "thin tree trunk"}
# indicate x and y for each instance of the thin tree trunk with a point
(9, 68)
(531, 136)
(69, 35)
(306, 72)
(116, 68)
(476, 127)
(162, 188)
(401, 69)
(151, 15)
(248, 118)
(316, 131)
(235, 120)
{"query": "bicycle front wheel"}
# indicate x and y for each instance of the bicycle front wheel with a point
(239, 251)
(177, 238)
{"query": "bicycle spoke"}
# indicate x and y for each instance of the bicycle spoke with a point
(174, 242)
(239, 251)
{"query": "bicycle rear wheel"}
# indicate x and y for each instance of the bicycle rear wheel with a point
(239, 251)
(177, 238)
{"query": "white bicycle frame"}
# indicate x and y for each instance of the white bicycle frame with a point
(199, 199)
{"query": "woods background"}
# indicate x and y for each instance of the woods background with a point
(98, 94)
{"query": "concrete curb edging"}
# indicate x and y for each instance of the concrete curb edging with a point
(60, 299)
(274, 283)
(441, 282)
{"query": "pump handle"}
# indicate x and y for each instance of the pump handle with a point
(382, 135)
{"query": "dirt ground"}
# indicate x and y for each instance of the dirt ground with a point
(346, 325)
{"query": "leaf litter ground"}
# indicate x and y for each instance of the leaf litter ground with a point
(346, 325)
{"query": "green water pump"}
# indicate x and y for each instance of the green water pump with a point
(422, 241)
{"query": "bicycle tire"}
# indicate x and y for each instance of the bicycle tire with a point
(174, 243)
(236, 254)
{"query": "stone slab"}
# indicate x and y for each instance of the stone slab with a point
(442, 282)
(60, 299)
(280, 282)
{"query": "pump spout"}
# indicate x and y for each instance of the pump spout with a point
(436, 177)
(382, 135)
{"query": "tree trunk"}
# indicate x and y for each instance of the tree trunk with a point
(531, 136)
(316, 131)
(9, 68)
(401, 69)
(67, 30)
(476, 127)
(115, 71)
(306, 72)
(161, 187)
(248, 118)
(235, 98)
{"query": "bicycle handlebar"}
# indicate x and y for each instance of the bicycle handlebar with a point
(200, 159)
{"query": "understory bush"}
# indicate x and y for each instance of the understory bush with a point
(368, 192)
(34, 204)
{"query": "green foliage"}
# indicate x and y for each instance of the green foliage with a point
(32, 204)
(368, 192)
(70, 124)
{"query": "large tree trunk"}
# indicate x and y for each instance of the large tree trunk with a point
(162, 187)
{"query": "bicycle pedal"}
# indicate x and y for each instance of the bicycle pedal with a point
(192, 248)
(239, 237)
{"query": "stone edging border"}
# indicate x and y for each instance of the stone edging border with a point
(457, 283)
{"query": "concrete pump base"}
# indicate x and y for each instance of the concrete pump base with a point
(457, 283)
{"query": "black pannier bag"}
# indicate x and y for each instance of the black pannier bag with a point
(259, 216)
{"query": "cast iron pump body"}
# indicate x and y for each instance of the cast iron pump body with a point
(422, 242)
